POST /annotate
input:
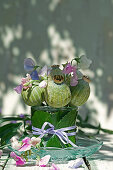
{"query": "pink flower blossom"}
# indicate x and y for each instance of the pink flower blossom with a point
(25, 147)
(19, 161)
(26, 80)
(19, 88)
(26, 144)
(26, 140)
(71, 69)
(54, 167)
(68, 69)
(43, 161)
(1, 152)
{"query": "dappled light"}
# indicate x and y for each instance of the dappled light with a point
(53, 32)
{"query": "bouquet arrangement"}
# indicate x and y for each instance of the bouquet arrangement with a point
(54, 94)
(54, 86)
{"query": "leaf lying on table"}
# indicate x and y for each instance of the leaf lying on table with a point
(7, 131)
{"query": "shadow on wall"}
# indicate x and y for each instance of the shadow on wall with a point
(54, 31)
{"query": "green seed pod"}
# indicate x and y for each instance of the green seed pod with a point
(33, 96)
(80, 93)
(57, 95)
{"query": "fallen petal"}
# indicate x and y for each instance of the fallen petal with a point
(44, 161)
(54, 167)
(75, 164)
(19, 161)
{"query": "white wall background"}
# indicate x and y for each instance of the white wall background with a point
(54, 31)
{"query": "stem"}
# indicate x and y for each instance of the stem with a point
(87, 163)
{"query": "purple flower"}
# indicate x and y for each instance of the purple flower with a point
(29, 64)
(22, 116)
(68, 69)
(28, 122)
(54, 167)
(18, 89)
(34, 75)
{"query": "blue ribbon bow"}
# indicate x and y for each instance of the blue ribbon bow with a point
(61, 134)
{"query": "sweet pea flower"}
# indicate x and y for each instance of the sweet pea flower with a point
(19, 161)
(54, 167)
(35, 141)
(43, 161)
(1, 152)
(26, 144)
(71, 69)
(43, 72)
(75, 164)
(74, 80)
(84, 62)
(28, 122)
(26, 80)
(26, 140)
(43, 84)
(68, 68)
(22, 116)
(18, 89)
(25, 147)
(34, 75)
(29, 66)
